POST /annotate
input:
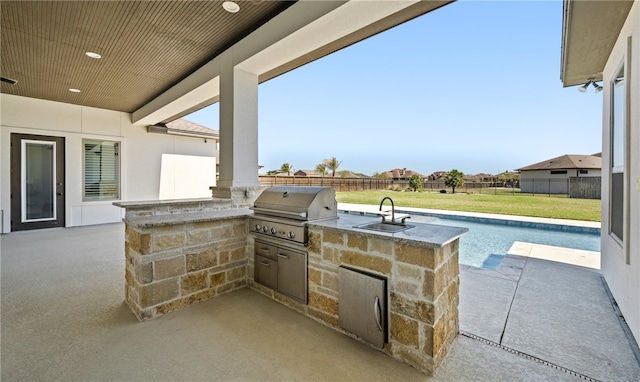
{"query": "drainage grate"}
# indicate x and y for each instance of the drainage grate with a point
(528, 356)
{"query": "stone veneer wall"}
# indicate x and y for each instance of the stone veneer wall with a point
(423, 283)
(174, 259)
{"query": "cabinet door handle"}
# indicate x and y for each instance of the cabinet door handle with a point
(377, 313)
(265, 263)
(280, 255)
(264, 249)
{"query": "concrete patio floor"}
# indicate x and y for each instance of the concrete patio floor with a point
(63, 319)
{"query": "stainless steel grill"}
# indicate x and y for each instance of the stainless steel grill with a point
(279, 225)
(284, 211)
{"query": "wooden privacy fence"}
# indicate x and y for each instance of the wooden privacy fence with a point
(366, 184)
(338, 184)
(585, 188)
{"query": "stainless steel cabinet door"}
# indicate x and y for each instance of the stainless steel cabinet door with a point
(363, 305)
(265, 271)
(292, 274)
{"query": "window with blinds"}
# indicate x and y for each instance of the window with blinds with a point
(101, 170)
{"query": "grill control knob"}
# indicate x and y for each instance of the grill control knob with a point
(273, 231)
(291, 234)
(258, 227)
(264, 229)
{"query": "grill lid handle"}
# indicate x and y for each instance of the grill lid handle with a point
(280, 212)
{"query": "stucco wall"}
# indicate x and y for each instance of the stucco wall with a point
(623, 278)
(141, 156)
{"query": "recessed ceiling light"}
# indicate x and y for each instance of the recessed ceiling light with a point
(93, 55)
(230, 6)
(74, 90)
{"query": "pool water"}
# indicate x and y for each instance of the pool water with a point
(486, 244)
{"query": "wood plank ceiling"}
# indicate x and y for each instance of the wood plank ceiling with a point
(146, 46)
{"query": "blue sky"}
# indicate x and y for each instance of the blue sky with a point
(474, 86)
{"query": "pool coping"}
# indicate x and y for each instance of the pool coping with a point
(567, 225)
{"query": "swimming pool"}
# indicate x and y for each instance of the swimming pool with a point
(486, 244)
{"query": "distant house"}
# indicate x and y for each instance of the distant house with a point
(481, 177)
(307, 173)
(552, 175)
(294, 173)
(401, 174)
(437, 175)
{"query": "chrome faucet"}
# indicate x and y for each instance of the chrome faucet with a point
(393, 210)
(393, 213)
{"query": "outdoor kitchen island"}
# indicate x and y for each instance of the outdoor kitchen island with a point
(420, 265)
(182, 253)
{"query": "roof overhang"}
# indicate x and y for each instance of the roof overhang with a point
(160, 59)
(304, 32)
(589, 32)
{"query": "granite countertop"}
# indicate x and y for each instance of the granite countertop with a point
(438, 235)
(168, 202)
(188, 217)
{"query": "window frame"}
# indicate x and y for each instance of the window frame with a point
(621, 168)
(118, 155)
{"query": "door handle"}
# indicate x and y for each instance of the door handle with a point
(264, 263)
(59, 193)
(280, 255)
(377, 313)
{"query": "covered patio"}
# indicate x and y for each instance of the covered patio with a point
(529, 322)
(63, 315)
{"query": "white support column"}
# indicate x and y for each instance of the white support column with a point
(238, 133)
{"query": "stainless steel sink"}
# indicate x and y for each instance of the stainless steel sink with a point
(384, 227)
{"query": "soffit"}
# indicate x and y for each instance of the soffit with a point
(146, 46)
(590, 30)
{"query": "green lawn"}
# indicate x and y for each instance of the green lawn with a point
(501, 203)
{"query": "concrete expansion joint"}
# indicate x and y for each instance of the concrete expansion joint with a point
(513, 298)
(528, 356)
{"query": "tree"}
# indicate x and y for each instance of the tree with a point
(286, 167)
(321, 169)
(415, 182)
(453, 179)
(332, 164)
(508, 178)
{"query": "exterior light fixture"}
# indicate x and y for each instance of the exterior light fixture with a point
(72, 90)
(230, 6)
(597, 87)
(583, 88)
(93, 55)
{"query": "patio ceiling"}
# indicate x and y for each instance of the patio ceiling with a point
(156, 52)
(590, 29)
(146, 46)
